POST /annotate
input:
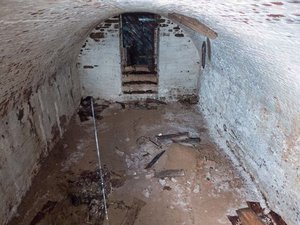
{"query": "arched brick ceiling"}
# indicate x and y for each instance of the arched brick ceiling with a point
(39, 36)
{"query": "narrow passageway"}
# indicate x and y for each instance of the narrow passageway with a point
(205, 190)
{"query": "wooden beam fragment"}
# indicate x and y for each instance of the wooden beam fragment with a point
(276, 218)
(154, 160)
(235, 220)
(248, 217)
(194, 24)
(255, 206)
(170, 173)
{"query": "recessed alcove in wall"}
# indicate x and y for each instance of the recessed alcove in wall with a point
(139, 42)
(139, 55)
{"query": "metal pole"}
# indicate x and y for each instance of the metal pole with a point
(99, 160)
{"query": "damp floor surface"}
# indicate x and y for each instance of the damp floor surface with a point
(210, 189)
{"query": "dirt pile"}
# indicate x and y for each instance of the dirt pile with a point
(85, 110)
(87, 190)
(83, 203)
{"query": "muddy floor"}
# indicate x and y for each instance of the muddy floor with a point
(204, 191)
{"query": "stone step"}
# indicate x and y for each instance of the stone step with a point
(146, 78)
(139, 88)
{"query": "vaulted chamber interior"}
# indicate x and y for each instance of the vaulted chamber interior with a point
(207, 89)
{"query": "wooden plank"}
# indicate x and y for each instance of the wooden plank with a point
(154, 160)
(194, 24)
(276, 218)
(235, 220)
(178, 135)
(255, 206)
(248, 217)
(170, 173)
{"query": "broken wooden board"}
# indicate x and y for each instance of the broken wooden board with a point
(277, 219)
(194, 24)
(154, 160)
(248, 217)
(235, 220)
(190, 142)
(133, 212)
(179, 135)
(255, 206)
(256, 211)
(169, 173)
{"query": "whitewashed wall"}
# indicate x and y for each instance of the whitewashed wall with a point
(30, 131)
(179, 62)
(99, 63)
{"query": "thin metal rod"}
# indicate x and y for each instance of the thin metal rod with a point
(99, 160)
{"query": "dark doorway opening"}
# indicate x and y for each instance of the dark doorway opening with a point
(139, 42)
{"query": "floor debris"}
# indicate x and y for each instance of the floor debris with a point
(162, 182)
(180, 135)
(86, 190)
(47, 208)
(196, 189)
(248, 217)
(183, 138)
(133, 212)
(255, 215)
(189, 99)
(143, 139)
(117, 179)
(128, 143)
(170, 173)
(85, 112)
(154, 160)
(148, 103)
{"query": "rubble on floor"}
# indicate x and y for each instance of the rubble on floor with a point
(85, 110)
(190, 183)
(148, 103)
(88, 190)
(183, 138)
(189, 99)
(83, 196)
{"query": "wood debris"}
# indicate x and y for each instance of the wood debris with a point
(194, 24)
(170, 173)
(255, 215)
(154, 160)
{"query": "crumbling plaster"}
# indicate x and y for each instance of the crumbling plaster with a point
(249, 93)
